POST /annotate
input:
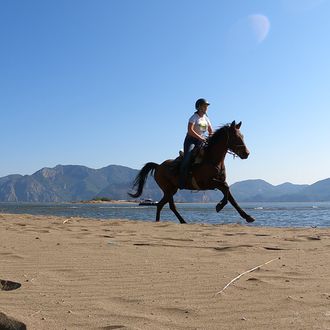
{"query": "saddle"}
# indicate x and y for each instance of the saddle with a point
(197, 155)
(196, 158)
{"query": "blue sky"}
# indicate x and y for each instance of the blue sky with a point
(100, 82)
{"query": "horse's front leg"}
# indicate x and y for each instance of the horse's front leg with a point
(224, 188)
(242, 213)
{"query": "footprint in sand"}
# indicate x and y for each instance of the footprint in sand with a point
(9, 285)
(232, 247)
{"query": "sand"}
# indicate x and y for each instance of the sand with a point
(117, 274)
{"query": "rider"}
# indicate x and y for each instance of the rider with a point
(198, 127)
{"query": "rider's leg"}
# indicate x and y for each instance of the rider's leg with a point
(189, 145)
(184, 169)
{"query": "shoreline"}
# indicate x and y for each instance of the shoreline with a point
(262, 220)
(77, 273)
(105, 202)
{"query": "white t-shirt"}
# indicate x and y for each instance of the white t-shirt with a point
(201, 124)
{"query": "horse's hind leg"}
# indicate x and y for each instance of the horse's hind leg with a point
(160, 206)
(175, 211)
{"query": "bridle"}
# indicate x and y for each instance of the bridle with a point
(233, 150)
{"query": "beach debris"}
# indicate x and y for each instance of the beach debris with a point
(68, 219)
(9, 285)
(314, 238)
(27, 279)
(9, 323)
(246, 272)
(35, 313)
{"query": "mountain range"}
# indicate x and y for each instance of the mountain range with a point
(72, 183)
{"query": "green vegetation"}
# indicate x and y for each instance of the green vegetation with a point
(102, 199)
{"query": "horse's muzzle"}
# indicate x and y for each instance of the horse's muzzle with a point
(243, 153)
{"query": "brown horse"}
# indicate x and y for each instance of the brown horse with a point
(209, 174)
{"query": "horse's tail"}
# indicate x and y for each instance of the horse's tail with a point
(141, 178)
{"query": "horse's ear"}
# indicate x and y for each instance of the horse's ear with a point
(238, 126)
(233, 124)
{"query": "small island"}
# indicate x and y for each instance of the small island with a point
(101, 200)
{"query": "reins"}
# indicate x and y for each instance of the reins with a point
(232, 150)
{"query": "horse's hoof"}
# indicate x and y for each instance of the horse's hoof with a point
(219, 207)
(249, 219)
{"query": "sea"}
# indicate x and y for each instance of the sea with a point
(268, 214)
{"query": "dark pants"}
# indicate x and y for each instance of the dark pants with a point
(188, 146)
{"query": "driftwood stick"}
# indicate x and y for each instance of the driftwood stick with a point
(246, 272)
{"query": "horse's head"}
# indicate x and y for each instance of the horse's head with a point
(236, 141)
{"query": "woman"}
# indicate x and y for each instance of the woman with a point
(199, 126)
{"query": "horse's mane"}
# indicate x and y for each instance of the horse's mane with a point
(216, 136)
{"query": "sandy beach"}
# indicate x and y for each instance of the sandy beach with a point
(88, 274)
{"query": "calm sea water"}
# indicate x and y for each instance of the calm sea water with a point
(266, 214)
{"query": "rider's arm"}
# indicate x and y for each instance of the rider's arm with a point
(193, 133)
(209, 129)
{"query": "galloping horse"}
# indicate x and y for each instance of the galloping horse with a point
(209, 174)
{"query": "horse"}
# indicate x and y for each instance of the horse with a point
(209, 174)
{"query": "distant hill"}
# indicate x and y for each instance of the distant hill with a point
(262, 191)
(69, 183)
(318, 191)
(65, 183)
